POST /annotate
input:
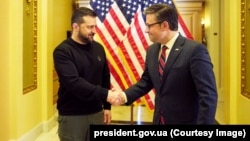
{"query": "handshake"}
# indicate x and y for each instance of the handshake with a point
(116, 97)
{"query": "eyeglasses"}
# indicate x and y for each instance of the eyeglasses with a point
(152, 24)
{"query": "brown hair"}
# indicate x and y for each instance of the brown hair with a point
(81, 12)
(164, 12)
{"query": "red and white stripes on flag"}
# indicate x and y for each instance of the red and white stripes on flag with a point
(120, 29)
(125, 46)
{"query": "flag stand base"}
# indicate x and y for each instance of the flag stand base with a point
(132, 114)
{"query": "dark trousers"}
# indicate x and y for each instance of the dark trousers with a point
(76, 128)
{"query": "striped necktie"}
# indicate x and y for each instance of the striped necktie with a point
(162, 61)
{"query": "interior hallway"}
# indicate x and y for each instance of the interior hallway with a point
(120, 115)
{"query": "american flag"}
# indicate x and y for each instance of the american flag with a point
(120, 29)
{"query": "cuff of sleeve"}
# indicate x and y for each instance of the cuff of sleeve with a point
(125, 97)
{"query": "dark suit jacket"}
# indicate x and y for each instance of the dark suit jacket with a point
(187, 93)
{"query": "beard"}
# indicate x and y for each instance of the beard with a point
(86, 38)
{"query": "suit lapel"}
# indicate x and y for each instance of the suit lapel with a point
(173, 55)
(156, 62)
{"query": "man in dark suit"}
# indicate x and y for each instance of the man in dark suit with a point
(186, 90)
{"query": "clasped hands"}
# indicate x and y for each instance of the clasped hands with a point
(116, 97)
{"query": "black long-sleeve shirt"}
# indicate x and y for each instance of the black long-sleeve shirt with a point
(84, 78)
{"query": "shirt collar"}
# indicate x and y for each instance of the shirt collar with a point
(171, 42)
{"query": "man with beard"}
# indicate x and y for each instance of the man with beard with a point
(84, 78)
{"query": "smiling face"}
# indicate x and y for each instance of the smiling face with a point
(161, 22)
